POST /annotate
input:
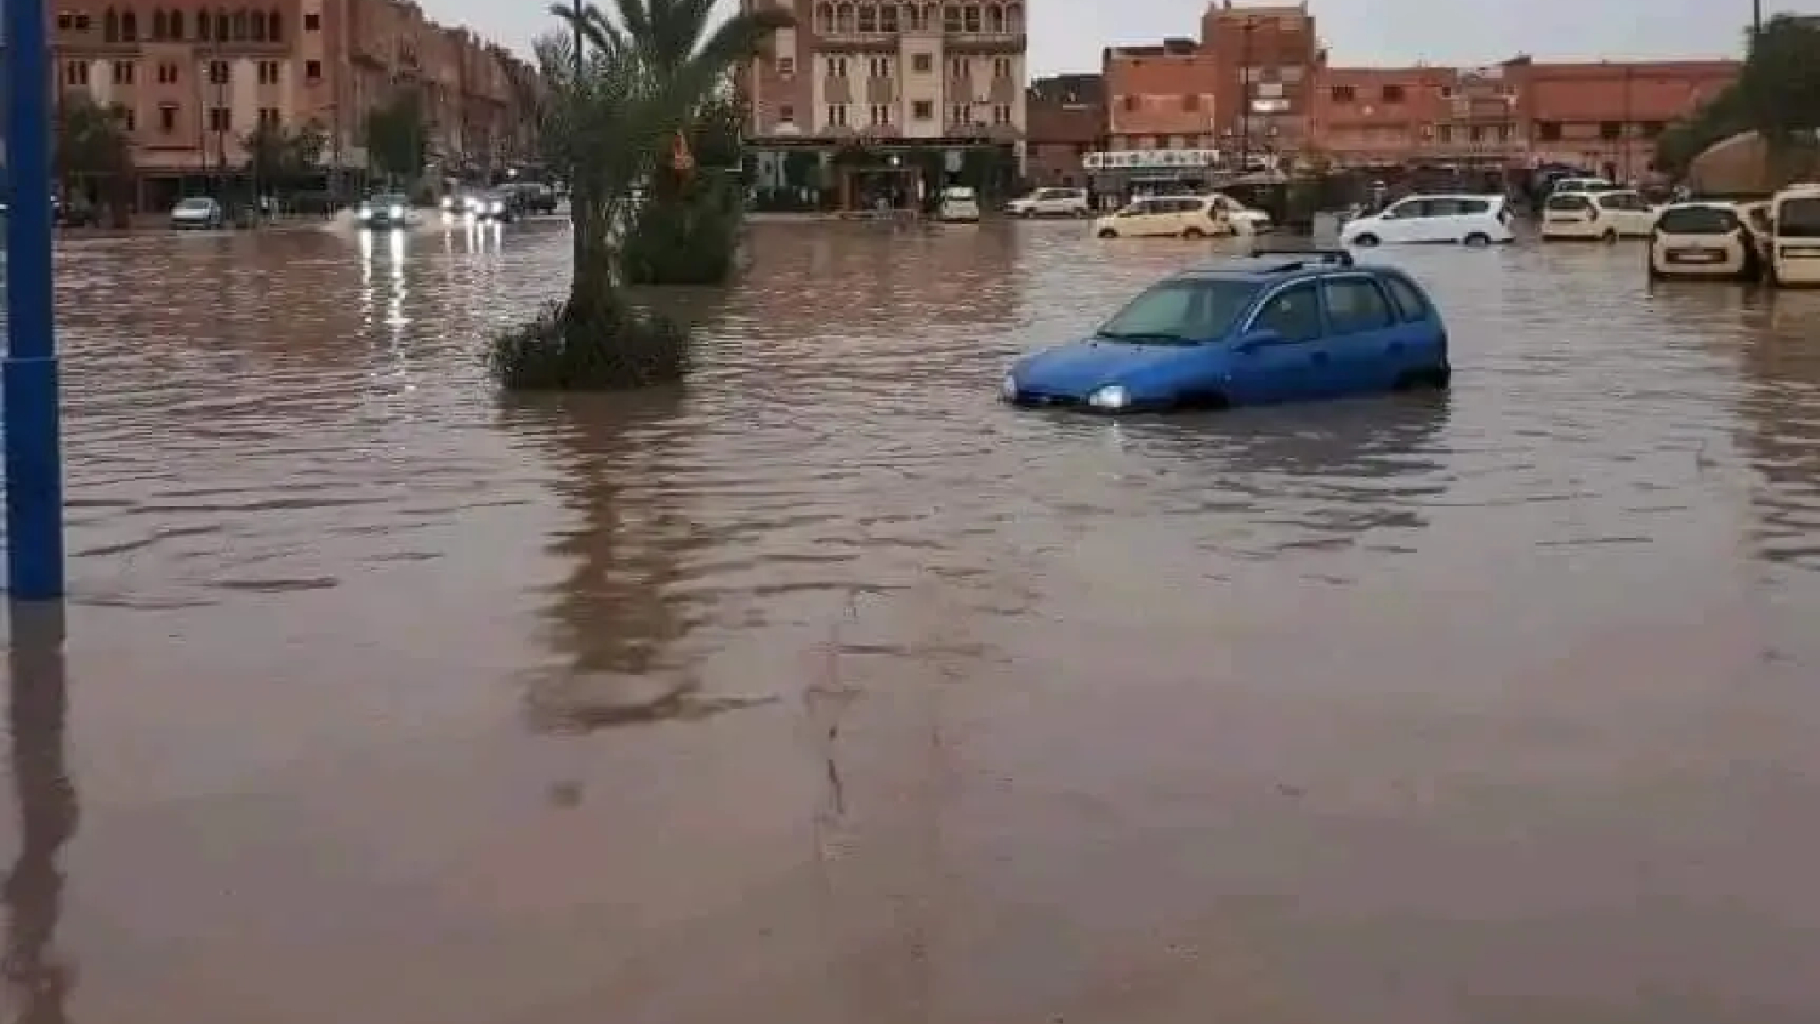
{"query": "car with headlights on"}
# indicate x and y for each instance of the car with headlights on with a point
(482, 205)
(386, 211)
(1274, 327)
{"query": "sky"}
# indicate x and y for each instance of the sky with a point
(1470, 33)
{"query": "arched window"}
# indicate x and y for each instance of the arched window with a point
(951, 20)
(256, 26)
(221, 27)
(868, 18)
(972, 18)
(1014, 17)
(240, 26)
(110, 26)
(995, 18)
(204, 26)
(843, 18)
(274, 27)
(129, 27)
(887, 19)
(176, 20)
(161, 28)
(824, 18)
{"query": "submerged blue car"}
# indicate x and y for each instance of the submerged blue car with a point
(1279, 326)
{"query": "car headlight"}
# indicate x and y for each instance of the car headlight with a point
(1007, 388)
(497, 208)
(364, 213)
(448, 203)
(396, 212)
(1112, 396)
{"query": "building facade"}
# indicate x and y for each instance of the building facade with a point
(942, 76)
(195, 80)
(1067, 121)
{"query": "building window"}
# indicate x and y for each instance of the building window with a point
(75, 73)
(312, 70)
(786, 66)
(268, 72)
(167, 73)
(959, 113)
(312, 23)
(786, 114)
(1446, 133)
(1548, 131)
(923, 110)
(1475, 134)
(1128, 102)
(129, 119)
(1291, 73)
(1001, 113)
(881, 114)
(1343, 94)
(1393, 94)
(971, 19)
(65, 22)
(879, 67)
(1191, 102)
(922, 63)
(1653, 129)
(951, 20)
(239, 26)
(1001, 67)
(837, 67)
(167, 117)
(219, 72)
(123, 72)
(161, 26)
(1611, 131)
(268, 117)
(175, 21)
(887, 19)
(837, 115)
(221, 119)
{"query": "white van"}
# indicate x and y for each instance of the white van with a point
(1794, 216)
(959, 205)
(1597, 216)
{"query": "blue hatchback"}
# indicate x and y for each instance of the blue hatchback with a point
(1277, 327)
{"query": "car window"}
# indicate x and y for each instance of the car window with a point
(1409, 302)
(1444, 208)
(1408, 209)
(1474, 206)
(1293, 313)
(1567, 202)
(1355, 304)
(1697, 220)
(1188, 310)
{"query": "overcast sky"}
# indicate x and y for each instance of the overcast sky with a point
(1066, 35)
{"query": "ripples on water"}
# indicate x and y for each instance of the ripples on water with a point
(1329, 704)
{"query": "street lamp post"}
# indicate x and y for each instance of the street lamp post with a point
(28, 377)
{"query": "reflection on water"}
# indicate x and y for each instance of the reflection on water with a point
(36, 977)
(1041, 717)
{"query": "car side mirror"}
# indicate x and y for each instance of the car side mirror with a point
(1259, 338)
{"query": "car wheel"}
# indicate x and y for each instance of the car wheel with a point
(1193, 233)
(1477, 239)
(1367, 240)
(1610, 237)
(1108, 233)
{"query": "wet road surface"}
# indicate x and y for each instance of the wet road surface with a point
(830, 691)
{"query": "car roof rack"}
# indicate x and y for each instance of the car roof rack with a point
(1320, 257)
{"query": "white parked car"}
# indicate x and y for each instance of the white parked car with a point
(1466, 219)
(1597, 216)
(1167, 217)
(1705, 240)
(1583, 185)
(198, 212)
(1051, 202)
(1245, 220)
(959, 205)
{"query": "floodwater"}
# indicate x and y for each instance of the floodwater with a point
(830, 691)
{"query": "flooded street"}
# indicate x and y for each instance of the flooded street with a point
(831, 691)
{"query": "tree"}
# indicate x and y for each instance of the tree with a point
(397, 137)
(1777, 95)
(281, 159)
(688, 231)
(91, 141)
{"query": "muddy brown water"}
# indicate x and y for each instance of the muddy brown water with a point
(829, 691)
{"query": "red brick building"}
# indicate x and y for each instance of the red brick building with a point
(1067, 121)
(1609, 114)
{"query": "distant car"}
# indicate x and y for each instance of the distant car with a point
(1597, 216)
(76, 214)
(1704, 240)
(1051, 202)
(1279, 326)
(535, 198)
(1168, 217)
(386, 211)
(959, 204)
(198, 213)
(1466, 219)
(1582, 185)
(481, 205)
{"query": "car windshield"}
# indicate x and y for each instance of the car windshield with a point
(195, 205)
(1181, 312)
(1571, 201)
(1798, 218)
(1697, 220)
(387, 199)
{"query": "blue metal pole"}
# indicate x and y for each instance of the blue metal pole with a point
(28, 377)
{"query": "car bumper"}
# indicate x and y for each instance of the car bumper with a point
(1077, 403)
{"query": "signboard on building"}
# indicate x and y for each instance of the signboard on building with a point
(1151, 159)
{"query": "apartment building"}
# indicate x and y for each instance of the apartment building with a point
(196, 79)
(1067, 121)
(925, 72)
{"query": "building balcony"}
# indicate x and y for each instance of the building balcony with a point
(995, 42)
(849, 39)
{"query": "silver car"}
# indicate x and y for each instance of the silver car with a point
(199, 213)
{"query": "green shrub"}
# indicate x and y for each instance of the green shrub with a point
(687, 237)
(599, 345)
